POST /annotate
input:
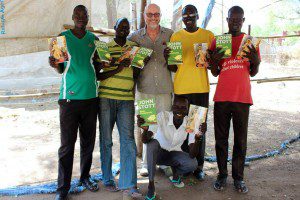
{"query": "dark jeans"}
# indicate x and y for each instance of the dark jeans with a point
(180, 161)
(76, 114)
(223, 113)
(199, 99)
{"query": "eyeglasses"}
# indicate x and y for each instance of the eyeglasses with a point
(237, 20)
(156, 15)
(190, 15)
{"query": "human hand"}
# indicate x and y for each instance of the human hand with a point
(167, 52)
(252, 55)
(146, 60)
(52, 62)
(140, 122)
(214, 57)
(125, 63)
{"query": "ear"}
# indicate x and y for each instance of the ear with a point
(227, 19)
(243, 19)
(115, 27)
(73, 17)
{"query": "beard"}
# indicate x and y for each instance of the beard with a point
(153, 26)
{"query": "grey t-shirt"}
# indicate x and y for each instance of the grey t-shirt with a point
(155, 78)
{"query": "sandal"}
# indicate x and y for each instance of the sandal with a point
(133, 192)
(240, 186)
(88, 184)
(152, 198)
(220, 184)
(177, 183)
(111, 188)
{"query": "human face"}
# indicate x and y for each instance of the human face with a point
(180, 108)
(235, 22)
(190, 17)
(152, 16)
(80, 18)
(122, 28)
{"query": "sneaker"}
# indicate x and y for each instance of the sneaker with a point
(240, 186)
(144, 172)
(177, 183)
(220, 183)
(199, 174)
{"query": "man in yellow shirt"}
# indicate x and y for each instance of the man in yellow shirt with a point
(191, 81)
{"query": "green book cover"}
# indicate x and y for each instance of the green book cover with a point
(138, 59)
(147, 110)
(175, 56)
(102, 50)
(225, 41)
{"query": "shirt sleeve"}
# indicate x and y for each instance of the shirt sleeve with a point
(132, 37)
(154, 127)
(191, 138)
(173, 38)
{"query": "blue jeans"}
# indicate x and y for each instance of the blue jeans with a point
(113, 111)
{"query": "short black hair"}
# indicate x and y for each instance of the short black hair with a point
(192, 6)
(236, 9)
(80, 7)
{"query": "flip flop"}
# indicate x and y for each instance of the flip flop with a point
(111, 188)
(133, 192)
(152, 198)
(177, 183)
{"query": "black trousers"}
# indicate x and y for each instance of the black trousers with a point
(199, 99)
(74, 115)
(223, 113)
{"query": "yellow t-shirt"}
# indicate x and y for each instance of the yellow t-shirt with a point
(189, 78)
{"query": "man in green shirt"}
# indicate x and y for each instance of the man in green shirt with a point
(78, 103)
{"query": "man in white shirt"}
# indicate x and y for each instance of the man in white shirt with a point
(164, 142)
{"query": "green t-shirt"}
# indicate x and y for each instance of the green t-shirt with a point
(79, 80)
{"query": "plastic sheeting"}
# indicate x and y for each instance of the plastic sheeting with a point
(49, 188)
(29, 23)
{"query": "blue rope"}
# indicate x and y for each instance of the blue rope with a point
(49, 188)
(283, 146)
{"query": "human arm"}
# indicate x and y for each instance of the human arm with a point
(194, 147)
(254, 59)
(105, 75)
(146, 135)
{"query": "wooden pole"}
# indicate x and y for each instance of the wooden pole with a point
(176, 22)
(142, 20)
(133, 16)
(249, 29)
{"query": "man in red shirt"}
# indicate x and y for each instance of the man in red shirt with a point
(232, 101)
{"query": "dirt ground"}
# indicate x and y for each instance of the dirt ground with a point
(30, 138)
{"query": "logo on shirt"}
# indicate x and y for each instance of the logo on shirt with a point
(233, 64)
(91, 45)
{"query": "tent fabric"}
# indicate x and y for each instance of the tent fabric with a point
(45, 18)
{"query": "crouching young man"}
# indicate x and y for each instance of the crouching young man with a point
(164, 142)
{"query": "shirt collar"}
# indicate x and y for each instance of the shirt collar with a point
(170, 122)
(126, 44)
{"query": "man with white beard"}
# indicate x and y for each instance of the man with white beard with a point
(154, 80)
